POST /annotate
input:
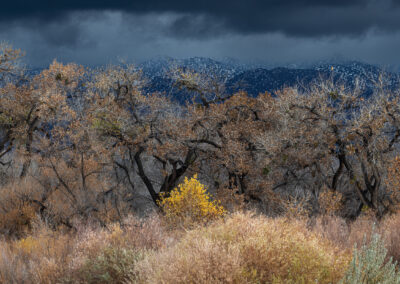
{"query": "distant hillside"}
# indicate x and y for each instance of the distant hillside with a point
(258, 80)
(255, 79)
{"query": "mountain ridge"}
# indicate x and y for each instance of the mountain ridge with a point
(260, 78)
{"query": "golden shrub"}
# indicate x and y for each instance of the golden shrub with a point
(190, 203)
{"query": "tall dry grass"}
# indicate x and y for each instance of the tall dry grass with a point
(247, 249)
(346, 234)
(241, 248)
(47, 256)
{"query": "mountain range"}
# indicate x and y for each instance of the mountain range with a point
(259, 78)
(255, 79)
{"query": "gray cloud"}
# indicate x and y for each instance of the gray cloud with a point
(293, 17)
(276, 31)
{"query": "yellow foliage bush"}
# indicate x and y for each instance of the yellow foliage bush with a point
(190, 203)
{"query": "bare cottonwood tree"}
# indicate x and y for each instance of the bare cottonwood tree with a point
(336, 138)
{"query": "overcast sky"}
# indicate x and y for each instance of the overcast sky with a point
(279, 32)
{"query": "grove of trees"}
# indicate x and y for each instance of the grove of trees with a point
(83, 143)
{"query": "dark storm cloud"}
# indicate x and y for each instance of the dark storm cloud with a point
(274, 31)
(309, 18)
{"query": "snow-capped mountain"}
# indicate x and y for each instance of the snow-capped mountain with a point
(160, 67)
(255, 79)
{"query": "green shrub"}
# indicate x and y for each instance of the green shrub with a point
(369, 265)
